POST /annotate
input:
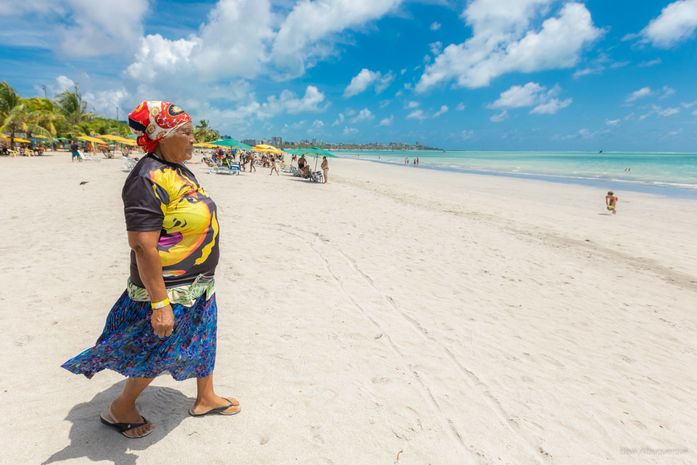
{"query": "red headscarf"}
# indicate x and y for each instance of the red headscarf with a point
(153, 119)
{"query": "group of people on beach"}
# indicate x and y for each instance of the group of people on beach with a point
(304, 167)
(415, 161)
(249, 160)
(22, 150)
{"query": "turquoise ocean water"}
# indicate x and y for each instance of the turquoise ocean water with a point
(672, 174)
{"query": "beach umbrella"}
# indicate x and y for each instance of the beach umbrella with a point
(231, 143)
(120, 140)
(21, 141)
(94, 140)
(322, 152)
(311, 151)
(316, 151)
(204, 145)
(264, 148)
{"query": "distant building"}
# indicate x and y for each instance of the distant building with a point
(277, 141)
(251, 142)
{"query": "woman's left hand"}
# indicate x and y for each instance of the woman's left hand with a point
(162, 321)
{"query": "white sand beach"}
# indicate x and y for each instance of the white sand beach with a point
(392, 316)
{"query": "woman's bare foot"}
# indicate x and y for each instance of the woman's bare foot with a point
(203, 405)
(125, 412)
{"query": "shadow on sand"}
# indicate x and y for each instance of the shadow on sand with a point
(166, 407)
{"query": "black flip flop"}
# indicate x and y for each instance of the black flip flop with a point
(122, 428)
(217, 410)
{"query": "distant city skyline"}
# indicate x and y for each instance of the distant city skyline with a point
(479, 74)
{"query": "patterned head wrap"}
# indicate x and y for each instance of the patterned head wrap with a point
(153, 119)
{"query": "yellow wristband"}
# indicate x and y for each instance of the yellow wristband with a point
(161, 304)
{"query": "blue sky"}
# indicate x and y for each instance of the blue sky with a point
(479, 74)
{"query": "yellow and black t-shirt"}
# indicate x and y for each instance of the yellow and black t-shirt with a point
(166, 197)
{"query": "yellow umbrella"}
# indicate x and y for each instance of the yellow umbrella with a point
(205, 145)
(94, 140)
(267, 149)
(120, 140)
(39, 136)
(17, 139)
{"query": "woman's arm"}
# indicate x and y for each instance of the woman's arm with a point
(144, 244)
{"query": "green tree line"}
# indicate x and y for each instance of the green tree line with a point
(65, 116)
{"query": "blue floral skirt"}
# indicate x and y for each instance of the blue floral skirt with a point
(129, 346)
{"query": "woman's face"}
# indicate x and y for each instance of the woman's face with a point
(179, 145)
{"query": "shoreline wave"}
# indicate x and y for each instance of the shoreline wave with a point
(658, 187)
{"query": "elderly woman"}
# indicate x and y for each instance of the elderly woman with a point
(165, 321)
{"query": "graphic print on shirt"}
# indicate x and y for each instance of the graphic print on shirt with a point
(190, 226)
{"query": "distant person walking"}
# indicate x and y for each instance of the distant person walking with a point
(274, 166)
(325, 169)
(75, 150)
(611, 202)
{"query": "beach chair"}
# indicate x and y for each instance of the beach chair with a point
(314, 176)
(231, 169)
(317, 176)
(87, 157)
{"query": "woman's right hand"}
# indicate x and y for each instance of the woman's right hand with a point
(162, 321)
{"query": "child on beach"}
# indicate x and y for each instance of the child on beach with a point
(75, 149)
(611, 202)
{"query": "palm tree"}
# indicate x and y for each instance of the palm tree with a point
(32, 115)
(9, 101)
(204, 133)
(42, 114)
(73, 107)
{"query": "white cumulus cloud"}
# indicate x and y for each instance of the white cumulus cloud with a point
(443, 110)
(106, 27)
(638, 94)
(519, 96)
(308, 29)
(286, 102)
(366, 78)
(665, 112)
(64, 83)
(363, 115)
(676, 23)
(387, 121)
(544, 101)
(499, 117)
(504, 41)
(417, 114)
